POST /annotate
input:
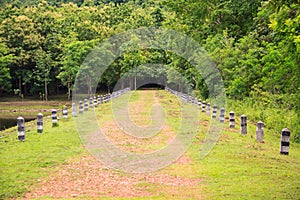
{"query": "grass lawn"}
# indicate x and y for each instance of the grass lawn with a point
(237, 168)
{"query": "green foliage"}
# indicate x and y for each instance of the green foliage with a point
(5, 60)
(255, 44)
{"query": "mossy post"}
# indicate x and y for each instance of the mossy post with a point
(214, 112)
(231, 119)
(203, 106)
(260, 131)
(39, 119)
(86, 105)
(243, 124)
(208, 109)
(21, 128)
(54, 118)
(222, 115)
(80, 107)
(285, 141)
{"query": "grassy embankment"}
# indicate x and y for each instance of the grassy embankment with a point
(237, 168)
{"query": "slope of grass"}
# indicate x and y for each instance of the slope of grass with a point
(23, 163)
(237, 168)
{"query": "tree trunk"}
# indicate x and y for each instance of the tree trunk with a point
(135, 83)
(20, 86)
(46, 90)
(69, 90)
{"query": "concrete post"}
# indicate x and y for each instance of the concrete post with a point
(54, 118)
(285, 141)
(203, 106)
(65, 112)
(39, 119)
(86, 105)
(214, 112)
(208, 109)
(260, 131)
(222, 115)
(231, 119)
(21, 128)
(95, 101)
(243, 124)
(80, 107)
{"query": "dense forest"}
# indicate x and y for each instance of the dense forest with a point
(255, 45)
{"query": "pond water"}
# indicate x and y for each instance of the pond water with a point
(6, 123)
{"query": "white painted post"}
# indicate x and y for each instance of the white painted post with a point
(208, 109)
(285, 141)
(95, 101)
(21, 128)
(80, 107)
(65, 112)
(39, 119)
(99, 99)
(243, 124)
(231, 119)
(203, 106)
(54, 118)
(86, 105)
(260, 131)
(199, 104)
(214, 112)
(222, 115)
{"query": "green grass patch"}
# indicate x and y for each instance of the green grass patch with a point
(23, 163)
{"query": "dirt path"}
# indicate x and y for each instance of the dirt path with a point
(88, 178)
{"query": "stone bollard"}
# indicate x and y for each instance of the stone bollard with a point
(260, 131)
(222, 115)
(285, 141)
(99, 99)
(86, 105)
(95, 101)
(80, 107)
(214, 112)
(199, 104)
(54, 118)
(208, 109)
(231, 119)
(91, 102)
(203, 106)
(74, 109)
(243, 124)
(65, 112)
(39, 119)
(21, 128)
